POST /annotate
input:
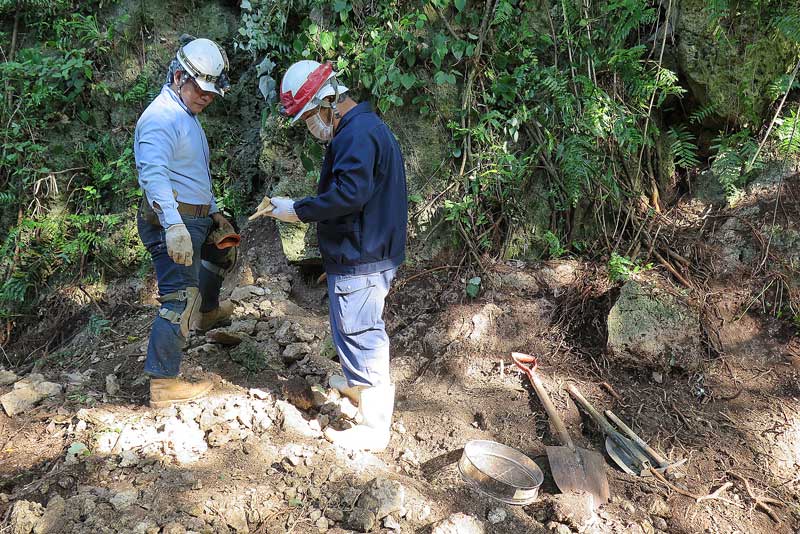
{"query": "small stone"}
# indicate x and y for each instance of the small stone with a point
(295, 352)
(391, 523)
(496, 515)
(658, 377)
(361, 520)
(24, 516)
(558, 528)
(293, 421)
(647, 527)
(627, 506)
(297, 391)
(382, 496)
(243, 293)
(7, 377)
(144, 527)
(322, 524)
(124, 499)
(20, 400)
(334, 514)
(48, 389)
(574, 509)
(660, 523)
(53, 518)
(236, 518)
(318, 396)
(283, 333)
(129, 459)
(541, 515)
(112, 387)
(173, 528)
(347, 408)
(459, 524)
(657, 506)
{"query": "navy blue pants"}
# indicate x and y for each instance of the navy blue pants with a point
(357, 327)
(165, 348)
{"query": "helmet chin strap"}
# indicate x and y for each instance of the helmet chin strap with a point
(332, 105)
(335, 83)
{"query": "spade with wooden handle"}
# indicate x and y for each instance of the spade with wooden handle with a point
(574, 469)
(628, 455)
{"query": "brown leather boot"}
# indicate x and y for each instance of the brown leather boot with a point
(219, 316)
(166, 391)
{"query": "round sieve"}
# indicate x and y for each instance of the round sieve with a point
(500, 472)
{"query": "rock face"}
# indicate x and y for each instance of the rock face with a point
(653, 328)
(734, 79)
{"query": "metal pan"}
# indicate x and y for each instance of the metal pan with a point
(500, 472)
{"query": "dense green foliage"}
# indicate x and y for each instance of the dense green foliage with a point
(66, 177)
(573, 105)
(576, 96)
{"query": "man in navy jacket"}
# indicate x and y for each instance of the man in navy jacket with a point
(361, 211)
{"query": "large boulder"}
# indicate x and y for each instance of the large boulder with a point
(650, 327)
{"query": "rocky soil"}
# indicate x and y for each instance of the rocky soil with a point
(712, 383)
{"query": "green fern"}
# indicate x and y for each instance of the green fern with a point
(788, 133)
(789, 25)
(682, 147)
(701, 114)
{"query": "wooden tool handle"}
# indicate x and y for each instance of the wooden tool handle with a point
(601, 421)
(558, 424)
(660, 460)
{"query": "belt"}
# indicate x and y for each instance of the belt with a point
(197, 210)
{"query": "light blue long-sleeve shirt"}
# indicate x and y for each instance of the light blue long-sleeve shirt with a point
(172, 155)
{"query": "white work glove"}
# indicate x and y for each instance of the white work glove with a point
(284, 210)
(179, 244)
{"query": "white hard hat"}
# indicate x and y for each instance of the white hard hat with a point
(304, 86)
(206, 62)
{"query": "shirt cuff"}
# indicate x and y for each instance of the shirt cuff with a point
(169, 217)
(302, 209)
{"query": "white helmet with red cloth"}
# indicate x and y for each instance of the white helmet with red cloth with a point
(305, 86)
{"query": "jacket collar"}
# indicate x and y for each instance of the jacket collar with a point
(363, 107)
(175, 98)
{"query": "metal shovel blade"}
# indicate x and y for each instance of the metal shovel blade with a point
(579, 470)
(627, 462)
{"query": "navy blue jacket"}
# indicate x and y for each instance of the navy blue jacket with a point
(361, 207)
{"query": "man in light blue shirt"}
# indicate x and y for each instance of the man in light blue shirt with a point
(178, 214)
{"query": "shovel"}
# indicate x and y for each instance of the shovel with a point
(574, 469)
(628, 455)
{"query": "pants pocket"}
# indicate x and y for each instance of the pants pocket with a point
(358, 303)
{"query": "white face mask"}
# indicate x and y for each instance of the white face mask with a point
(318, 128)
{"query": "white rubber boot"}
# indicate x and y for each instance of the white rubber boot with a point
(339, 383)
(376, 407)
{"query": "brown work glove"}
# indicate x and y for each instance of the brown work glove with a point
(224, 235)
